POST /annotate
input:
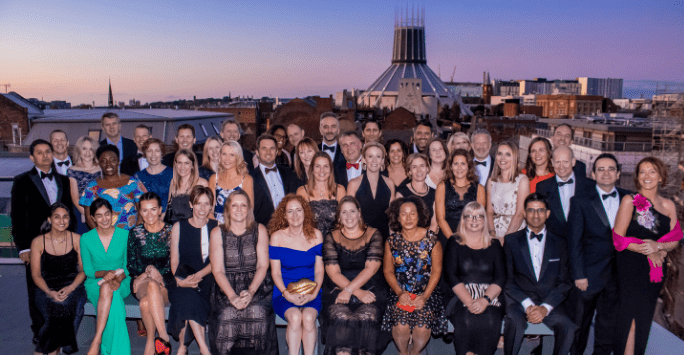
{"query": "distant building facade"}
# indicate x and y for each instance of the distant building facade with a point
(541, 86)
(506, 88)
(567, 106)
(668, 105)
(608, 87)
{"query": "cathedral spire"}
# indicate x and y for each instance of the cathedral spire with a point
(111, 97)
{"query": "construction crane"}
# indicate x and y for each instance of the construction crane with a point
(452, 74)
(6, 86)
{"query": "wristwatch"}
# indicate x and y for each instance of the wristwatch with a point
(489, 300)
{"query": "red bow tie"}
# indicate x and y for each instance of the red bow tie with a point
(355, 166)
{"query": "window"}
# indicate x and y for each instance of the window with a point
(586, 134)
(94, 134)
(215, 128)
(204, 130)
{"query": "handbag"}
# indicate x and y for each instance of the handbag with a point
(302, 287)
(168, 216)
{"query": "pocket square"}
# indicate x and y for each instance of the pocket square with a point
(552, 260)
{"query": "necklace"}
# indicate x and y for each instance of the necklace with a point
(356, 234)
(52, 239)
(416, 190)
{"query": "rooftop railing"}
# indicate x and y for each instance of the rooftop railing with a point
(604, 146)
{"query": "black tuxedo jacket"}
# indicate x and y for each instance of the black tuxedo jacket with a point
(580, 169)
(590, 240)
(54, 166)
(249, 159)
(263, 202)
(339, 158)
(554, 279)
(30, 206)
(130, 166)
(129, 147)
(490, 166)
(557, 223)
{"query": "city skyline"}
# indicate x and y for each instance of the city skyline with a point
(154, 53)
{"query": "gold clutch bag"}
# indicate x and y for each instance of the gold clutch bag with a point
(302, 287)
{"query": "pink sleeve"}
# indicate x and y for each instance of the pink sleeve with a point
(621, 243)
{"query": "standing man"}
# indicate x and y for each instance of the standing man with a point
(271, 182)
(538, 281)
(185, 139)
(351, 145)
(330, 129)
(137, 162)
(592, 256)
(561, 188)
(421, 135)
(371, 131)
(563, 135)
(482, 144)
(111, 125)
(294, 135)
(33, 193)
(230, 131)
(60, 144)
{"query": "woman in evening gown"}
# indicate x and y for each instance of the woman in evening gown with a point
(322, 192)
(85, 169)
(185, 177)
(417, 169)
(157, 176)
(232, 176)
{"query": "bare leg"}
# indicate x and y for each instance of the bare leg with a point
(629, 347)
(309, 333)
(293, 333)
(156, 298)
(182, 350)
(198, 330)
(104, 303)
(421, 336)
(148, 322)
(401, 334)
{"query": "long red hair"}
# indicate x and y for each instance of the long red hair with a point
(279, 218)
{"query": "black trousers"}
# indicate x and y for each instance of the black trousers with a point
(604, 303)
(37, 319)
(515, 324)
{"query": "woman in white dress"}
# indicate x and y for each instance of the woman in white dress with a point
(506, 192)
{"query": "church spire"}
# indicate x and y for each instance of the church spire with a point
(111, 97)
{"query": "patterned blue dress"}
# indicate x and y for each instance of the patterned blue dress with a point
(294, 266)
(221, 196)
(122, 199)
(158, 183)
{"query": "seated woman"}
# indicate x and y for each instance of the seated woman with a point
(355, 292)
(211, 156)
(149, 268)
(475, 270)
(303, 156)
(322, 192)
(295, 252)
(157, 176)
(192, 271)
(538, 166)
(103, 254)
(185, 177)
(57, 272)
(232, 176)
(417, 169)
(412, 266)
(242, 317)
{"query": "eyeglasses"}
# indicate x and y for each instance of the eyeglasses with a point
(602, 169)
(478, 217)
(533, 211)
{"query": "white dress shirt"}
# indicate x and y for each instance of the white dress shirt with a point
(610, 204)
(537, 254)
(483, 170)
(331, 154)
(119, 145)
(142, 162)
(275, 184)
(354, 172)
(566, 192)
(64, 167)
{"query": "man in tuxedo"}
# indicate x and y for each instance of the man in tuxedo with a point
(111, 125)
(538, 281)
(137, 162)
(271, 182)
(33, 193)
(422, 133)
(482, 144)
(60, 155)
(185, 139)
(351, 145)
(564, 135)
(372, 131)
(592, 256)
(561, 188)
(230, 131)
(330, 130)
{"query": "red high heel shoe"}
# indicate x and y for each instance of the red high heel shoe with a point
(161, 346)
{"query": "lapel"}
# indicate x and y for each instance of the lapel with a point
(35, 177)
(525, 250)
(60, 186)
(261, 180)
(545, 259)
(490, 166)
(286, 182)
(555, 201)
(596, 203)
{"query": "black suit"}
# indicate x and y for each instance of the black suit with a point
(580, 169)
(30, 207)
(551, 288)
(249, 159)
(592, 257)
(130, 165)
(339, 166)
(129, 147)
(557, 223)
(263, 202)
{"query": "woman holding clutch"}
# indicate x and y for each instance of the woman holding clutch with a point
(296, 259)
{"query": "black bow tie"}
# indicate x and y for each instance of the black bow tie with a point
(271, 170)
(562, 183)
(49, 175)
(62, 163)
(612, 194)
(538, 236)
(325, 147)
(140, 155)
(480, 163)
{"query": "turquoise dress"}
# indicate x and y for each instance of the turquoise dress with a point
(115, 339)
(122, 199)
(294, 266)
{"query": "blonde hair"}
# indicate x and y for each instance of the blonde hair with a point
(206, 160)
(240, 164)
(473, 208)
(226, 210)
(515, 166)
(79, 145)
(375, 145)
(176, 179)
(410, 160)
(453, 137)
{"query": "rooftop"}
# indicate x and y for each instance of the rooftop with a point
(154, 114)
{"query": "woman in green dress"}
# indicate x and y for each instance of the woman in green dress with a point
(103, 252)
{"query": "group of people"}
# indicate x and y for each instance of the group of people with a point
(389, 241)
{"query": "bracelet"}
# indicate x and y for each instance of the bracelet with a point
(489, 300)
(348, 290)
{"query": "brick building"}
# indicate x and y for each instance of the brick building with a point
(566, 106)
(511, 109)
(14, 120)
(305, 113)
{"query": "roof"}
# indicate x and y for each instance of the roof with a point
(90, 115)
(389, 80)
(33, 110)
(596, 126)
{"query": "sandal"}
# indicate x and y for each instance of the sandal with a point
(142, 332)
(161, 346)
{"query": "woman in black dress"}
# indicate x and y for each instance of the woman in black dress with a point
(460, 187)
(354, 289)
(58, 273)
(192, 271)
(241, 315)
(185, 177)
(417, 169)
(475, 271)
(646, 229)
(322, 192)
(373, 191)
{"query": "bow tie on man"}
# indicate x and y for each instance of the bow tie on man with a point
(62, 163)
(139, 155)
(271, 170)
(612, 194)
(563, 183)
(331, 149)
(537, 236)
(355, 166)
(49, 175)
(483, 163)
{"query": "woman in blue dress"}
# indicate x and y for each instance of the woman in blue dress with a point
(157, 176)
(296, 253)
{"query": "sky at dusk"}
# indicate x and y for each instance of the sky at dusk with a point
(162, 51)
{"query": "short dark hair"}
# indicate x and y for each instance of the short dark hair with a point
(276, 127)
(657, 164)
(58, 131)
(572, 131)
(149, 131)
(365, 123)
(110, 115)
(536, 197)
(349, 134)
(425, 123)
(199, 190)
(606, 156)
(107, 148)
(33, 145)
(186, 126)
(421, 208)
(99, 202)
(329, 114)
(149, 196)
(265, 136)
(231, 121)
